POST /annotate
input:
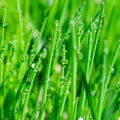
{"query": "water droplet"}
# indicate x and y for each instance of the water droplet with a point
(35, 33)
(93, 27)
(80, 32)
(8, 63)
(98, 1)
(78, 52)
(80, 55)
(106, 51)
(65, 116)
(26, 56)
(67, 92)
(69, 31)
(80, 118)
(66, 36)
(35, 70)
(29, 26)
(33, 65)
(56, 23)
(71, 22)
(81, 24)
(16, 110)
(4, 25)
(26, 90)
(61, 82)
(112, 70)
(63, 77)
(15, 90)
(43, 55)
(58, 68)
(11, 80)
(29, 82)
(65, 62)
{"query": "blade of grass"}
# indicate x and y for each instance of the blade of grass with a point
(47, 72)
(2, 61)
(75, 109)
(91, 55)
(90, 98)
(96, 38)
(73, 69)
(51, 17)
(20, 26)
(100, 101)
(32, 77)
(64, 86)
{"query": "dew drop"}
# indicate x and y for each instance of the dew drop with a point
(63, 77)
(11, 79)
(71, 22)
(112, 70)
(15, 111)
(66, 36)
(80, 55)
(29, 82)
(57, 23)
(80, 32)
(106, 51)
(15, 90)
(4, 25)
(58, 68)
(80, 118)
(93, 27)
(43, 55)
(81, 24)
(67, 91)
(29, 26)
(65, 116)
(33, 65)
(8, 63)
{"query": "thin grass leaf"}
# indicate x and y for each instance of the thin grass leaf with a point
(47, 72)
(51, 16)
(2, 60)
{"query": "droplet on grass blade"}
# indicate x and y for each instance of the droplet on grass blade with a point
(112, 70)
(43, 55)
(80, 32)
(58, 68)
(33, 65)
(80, 118)
(4, 25)
(8, 63)
(93, 27)
(56, 23)
(65, 116)
(15, 90)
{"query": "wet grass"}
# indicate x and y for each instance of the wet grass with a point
(59, 60)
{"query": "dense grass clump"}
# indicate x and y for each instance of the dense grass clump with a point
(59, 60)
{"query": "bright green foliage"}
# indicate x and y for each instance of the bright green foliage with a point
(59, 60)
